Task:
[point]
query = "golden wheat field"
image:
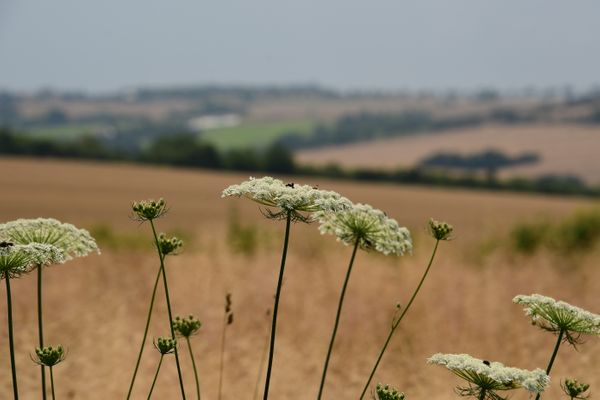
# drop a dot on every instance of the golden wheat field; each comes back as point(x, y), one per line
point(563, 149)
point(96, 306)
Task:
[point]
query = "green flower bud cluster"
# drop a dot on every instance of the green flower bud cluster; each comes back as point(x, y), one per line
point(147, 210)
point(49, 356)
point(440, 230)
point(388, 393)
point(169, 245)
point(186, 327)
point(574, 389)
point(165, 345)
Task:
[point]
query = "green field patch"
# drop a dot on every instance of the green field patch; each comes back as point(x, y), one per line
point(254, 135)
point(65, 132)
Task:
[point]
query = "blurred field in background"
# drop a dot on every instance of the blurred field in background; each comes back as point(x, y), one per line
point(562, 149)
point(96, 306)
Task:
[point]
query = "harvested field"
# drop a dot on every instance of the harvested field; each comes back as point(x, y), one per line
point(564, 149)
point(96, 306)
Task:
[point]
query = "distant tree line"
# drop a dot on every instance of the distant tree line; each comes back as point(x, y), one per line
point(185, 150)
point(486, 160)
point(368, 126)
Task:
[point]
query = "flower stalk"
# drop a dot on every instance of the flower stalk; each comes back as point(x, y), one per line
point(186, 327)
point(276, 305)
point(337, 319)
point(168, 300)
point(164, 346)
point(11, 340)
point(41, 326)
point(148, 318)
point(396, 322)
point(49, 357)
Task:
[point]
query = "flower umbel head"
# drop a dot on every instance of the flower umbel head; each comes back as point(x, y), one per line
point(556, 316)
point(165, 345)
point(440, 230)
point(574, 389)
point(290, 199)
point(490, 376)
point(169, 245)
point(49, 356)
point(186, 327)
point(17, 259)
point(147, 210)
point(385, 392)
point(369, 226)
point(73, 241)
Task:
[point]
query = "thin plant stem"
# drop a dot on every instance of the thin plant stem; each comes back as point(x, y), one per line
point(194, 366)
point(396, 323)
point(276, 306)
point(155, 376)
point(164, 275)
point(223, 337)
point(11, 340)
point(554, 353)
point(262, 365)
point(482, 394)
point(148, 317)
point(52, 383)
point(41, 326)
point(337, 319)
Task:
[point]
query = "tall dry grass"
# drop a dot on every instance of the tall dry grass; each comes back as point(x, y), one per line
point(96, 306)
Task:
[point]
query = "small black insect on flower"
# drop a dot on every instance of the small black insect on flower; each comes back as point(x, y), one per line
point(291, 185)
point(4, 244)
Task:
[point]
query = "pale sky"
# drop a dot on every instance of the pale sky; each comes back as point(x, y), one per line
point(347, 44)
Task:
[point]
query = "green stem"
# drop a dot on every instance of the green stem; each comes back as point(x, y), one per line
point(276, 306)
point(164, 275)
point(155, 376)
point(554, 353)
point(194, 366)
point(52, 383)
point(337, 319)
point(11, 341)
point(223, 337)
point(148, 317)
point(396, 323)
point(41, 326)
point(482, 394)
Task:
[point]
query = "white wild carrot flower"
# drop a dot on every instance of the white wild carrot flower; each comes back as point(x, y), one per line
point(290, 199)
point(490, 376)
point(556, 316)
point(371, 227)
point(74, 242)
point(17, 259)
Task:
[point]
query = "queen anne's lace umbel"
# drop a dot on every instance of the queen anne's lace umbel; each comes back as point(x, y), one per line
point(491, 375)
point(74, 242)
point(553, 315)
point(373, 229)
point(289, 198)
point(18, 259)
